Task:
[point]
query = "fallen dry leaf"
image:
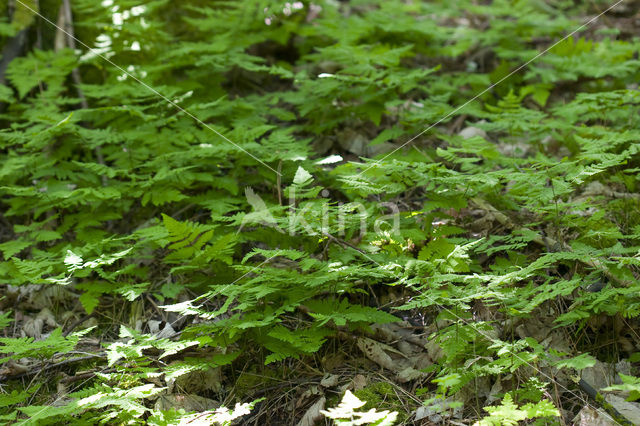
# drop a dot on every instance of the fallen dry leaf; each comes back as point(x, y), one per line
point(330, 380)
point(359, 382)
point(590, 417)
point(375, 351)
point(403, 366)
point(313, 414)
point(185, 402)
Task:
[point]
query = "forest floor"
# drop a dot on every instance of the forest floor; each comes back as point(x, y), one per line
point(418, 213)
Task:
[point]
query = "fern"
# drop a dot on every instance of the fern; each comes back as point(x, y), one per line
point(345, 413)
point(521, 201)
point(341, 312)
point(55, 343)
point(509, 413)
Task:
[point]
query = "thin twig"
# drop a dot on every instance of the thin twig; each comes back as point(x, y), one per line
point(82, 376)
point(343, 243)
point(50, 366)
point(279, 182)
point(77, 323)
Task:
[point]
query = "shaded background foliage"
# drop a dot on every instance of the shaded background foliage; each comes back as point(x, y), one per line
point(113, 197)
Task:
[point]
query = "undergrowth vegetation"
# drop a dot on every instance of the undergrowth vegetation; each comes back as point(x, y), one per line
point(263, 205)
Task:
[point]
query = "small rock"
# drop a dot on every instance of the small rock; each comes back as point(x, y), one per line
point(469, 132)
point(629, 410)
